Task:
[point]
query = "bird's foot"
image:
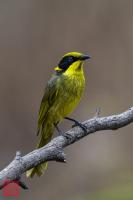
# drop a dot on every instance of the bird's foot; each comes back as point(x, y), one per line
point(84, 128)
point(76, 123)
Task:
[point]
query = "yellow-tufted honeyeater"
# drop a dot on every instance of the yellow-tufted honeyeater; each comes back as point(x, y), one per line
point(62, 94)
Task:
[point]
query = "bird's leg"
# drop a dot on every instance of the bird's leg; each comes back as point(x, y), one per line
point(76, 123)
point(58, 129)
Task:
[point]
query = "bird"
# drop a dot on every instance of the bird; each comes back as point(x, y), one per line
point(61, 96)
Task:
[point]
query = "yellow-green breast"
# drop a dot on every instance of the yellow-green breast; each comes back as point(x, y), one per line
point(70, 89)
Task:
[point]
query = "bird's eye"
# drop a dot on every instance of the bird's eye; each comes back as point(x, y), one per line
point(66, 62)
point(70, 59)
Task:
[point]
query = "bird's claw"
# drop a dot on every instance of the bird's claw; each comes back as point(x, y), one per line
point(84, 128)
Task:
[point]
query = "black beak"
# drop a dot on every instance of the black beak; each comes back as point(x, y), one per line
point(85, 57)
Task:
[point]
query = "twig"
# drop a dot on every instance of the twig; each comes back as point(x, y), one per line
point(54, 149)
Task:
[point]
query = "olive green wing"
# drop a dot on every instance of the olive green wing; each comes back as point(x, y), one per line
point(50, 96)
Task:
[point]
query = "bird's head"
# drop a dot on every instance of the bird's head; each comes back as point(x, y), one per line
point(71, 62)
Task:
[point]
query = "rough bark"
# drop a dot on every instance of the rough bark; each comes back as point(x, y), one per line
point(53, 151)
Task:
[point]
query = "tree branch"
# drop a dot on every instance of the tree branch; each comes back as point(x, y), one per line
point(54, 149)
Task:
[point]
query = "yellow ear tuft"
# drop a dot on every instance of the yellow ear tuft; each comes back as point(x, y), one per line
point(57, 69)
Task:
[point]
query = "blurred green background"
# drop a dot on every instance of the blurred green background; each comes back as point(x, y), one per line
point(33, 37)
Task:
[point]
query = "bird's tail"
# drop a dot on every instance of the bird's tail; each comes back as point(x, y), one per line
point(46, 135)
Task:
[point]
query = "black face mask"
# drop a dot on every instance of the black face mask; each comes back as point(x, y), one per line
point(66, 62)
